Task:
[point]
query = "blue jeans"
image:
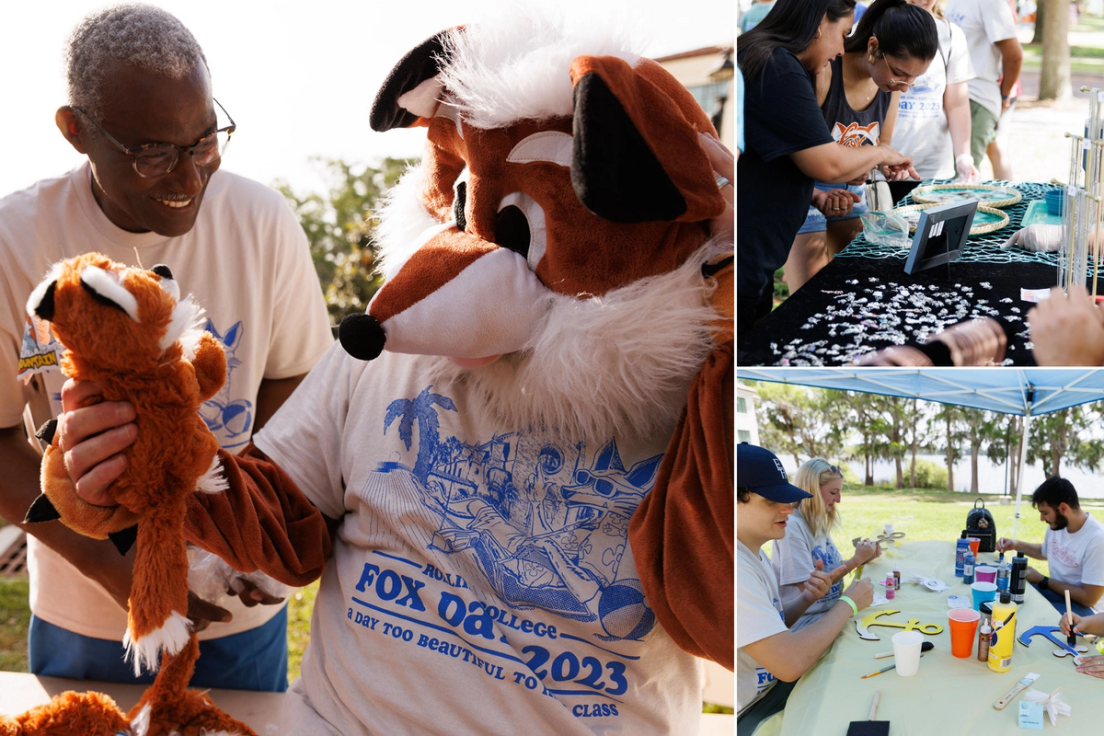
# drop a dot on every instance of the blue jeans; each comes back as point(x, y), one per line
point(1059, 602)
point(252, 660)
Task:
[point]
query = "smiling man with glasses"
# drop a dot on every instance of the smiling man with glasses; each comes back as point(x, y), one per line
point(141, 109)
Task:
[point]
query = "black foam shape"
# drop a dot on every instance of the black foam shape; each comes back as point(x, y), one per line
point(124, 540)
point(41, 510)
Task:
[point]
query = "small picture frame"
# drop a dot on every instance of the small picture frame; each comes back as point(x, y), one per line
point(940, 235)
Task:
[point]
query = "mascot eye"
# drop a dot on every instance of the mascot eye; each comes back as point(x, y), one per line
point(520, 227)
point(162, 270)
point(512, 230)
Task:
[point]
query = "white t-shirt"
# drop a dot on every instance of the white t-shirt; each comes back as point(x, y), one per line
point(922, 130)
point(985, 22)
point(1077, 559)
point(481, 580)
point(794, 559)
point(759, 615)
point(246, 261)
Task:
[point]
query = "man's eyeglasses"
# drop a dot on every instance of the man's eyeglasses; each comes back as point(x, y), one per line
point(158, 159)
point(895, 82)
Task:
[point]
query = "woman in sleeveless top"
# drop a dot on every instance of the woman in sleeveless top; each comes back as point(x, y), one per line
point(859, 94)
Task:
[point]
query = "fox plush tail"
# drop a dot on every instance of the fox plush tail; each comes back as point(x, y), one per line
point(159, 596)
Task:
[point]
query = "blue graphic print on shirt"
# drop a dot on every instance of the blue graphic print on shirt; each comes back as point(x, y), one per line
point(830, 556)
point(230, 419)
point(543, 533)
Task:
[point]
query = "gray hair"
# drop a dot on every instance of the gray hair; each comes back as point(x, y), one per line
point(139, 35)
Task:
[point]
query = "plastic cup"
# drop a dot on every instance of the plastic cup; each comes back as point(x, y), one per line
point(983, 592)
point(985, 574)
point(964, 623)
point(906, 652)
point(975, 543)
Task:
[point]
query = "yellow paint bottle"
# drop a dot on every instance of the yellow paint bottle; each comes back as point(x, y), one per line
point(1004, 634)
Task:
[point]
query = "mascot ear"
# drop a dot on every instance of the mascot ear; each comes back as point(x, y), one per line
point(410, 90)
point(636, 155)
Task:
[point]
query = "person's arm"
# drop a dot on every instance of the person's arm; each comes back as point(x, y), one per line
point(1086, 595)
point(1011, 63)
point(864, 553)
point(890, 122)
point(789, 654)
point(1031, 550)
point(812, 590)
point(834, 164)
point(271, 395)
point(956, 106)
point(19, 487)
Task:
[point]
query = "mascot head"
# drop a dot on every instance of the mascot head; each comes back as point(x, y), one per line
point(558, 219)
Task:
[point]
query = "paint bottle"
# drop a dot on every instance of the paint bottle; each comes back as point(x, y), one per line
point(1004, 634)
point(890, 595)
point(986, 611)
point(984, 634)
point(896, 577)
point(962, 546)
point(887, 530)
point(1018, 579)
point(968, 568)
point(1004, 572)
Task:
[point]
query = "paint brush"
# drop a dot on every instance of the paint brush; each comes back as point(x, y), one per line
point(884, 669)
point(1072, 638)
point(870, 727)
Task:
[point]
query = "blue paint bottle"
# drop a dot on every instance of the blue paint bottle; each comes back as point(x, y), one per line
point(961, 548)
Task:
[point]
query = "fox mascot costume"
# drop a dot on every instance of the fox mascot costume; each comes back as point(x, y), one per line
point(514, 473)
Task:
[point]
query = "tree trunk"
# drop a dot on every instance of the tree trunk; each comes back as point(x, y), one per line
point(950, 455)
point(869, 470)
point(1054, 78)
point(1055, 461)
point(1040, 22)
point(912, 462)
point(974, 468)
point(1014, 456)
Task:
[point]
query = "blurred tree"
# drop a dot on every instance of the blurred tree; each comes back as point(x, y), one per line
point(801, 421)
point(340, 226)
point(950, 417)
point(1066, 436)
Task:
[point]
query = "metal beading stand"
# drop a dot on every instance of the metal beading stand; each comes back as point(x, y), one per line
point(1083, 212)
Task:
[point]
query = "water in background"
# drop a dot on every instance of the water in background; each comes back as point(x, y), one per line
point(991, 476)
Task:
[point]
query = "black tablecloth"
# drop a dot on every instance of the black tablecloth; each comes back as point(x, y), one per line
point(788, 337)
point(864, 301)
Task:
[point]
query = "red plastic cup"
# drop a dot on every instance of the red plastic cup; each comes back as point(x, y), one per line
point(974, 544)
point(963, 623)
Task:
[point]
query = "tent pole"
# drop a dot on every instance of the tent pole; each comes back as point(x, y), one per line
point(1020, 475)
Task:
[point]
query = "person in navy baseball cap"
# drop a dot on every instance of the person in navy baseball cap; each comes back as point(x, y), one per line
point(759, 470)
point(769, 657)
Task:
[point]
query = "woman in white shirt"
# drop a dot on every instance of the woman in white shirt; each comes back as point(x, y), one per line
point(808, 540)
point(933, 119)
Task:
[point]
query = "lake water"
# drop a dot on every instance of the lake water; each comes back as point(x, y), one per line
point(991, 476)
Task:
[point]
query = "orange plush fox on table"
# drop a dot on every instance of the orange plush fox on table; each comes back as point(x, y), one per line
point(129, 330)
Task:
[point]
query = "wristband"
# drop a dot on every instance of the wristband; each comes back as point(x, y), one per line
point(1045, 583)
point(848, 601)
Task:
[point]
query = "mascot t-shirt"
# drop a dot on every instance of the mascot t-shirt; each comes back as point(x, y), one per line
point(484, 568)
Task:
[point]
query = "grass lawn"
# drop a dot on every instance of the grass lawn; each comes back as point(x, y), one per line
point(934, 514)
point(1083, 59)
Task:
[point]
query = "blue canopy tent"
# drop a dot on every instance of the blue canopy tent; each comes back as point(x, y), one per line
point(1026, 392)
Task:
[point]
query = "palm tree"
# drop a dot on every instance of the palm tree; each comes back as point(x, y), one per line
point(421, 409)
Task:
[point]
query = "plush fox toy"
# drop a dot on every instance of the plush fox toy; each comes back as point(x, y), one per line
point(129, 330)
point(167, 707)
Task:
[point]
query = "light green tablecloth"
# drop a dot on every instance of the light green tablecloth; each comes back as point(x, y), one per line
point(948, 696)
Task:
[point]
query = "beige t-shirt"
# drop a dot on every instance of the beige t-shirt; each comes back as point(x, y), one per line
point(481, 580)
point(759, 615)
point(248, 265)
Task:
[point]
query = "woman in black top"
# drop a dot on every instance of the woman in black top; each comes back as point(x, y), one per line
point(787, 143)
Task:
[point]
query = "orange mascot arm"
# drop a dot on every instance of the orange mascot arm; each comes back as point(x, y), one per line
point(261, 522)
point(682, 534)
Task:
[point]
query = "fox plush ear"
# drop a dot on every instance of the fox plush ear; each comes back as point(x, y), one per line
point(410, 91)
point(636, 155)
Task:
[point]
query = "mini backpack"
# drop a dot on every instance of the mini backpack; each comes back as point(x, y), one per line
point(980, 524)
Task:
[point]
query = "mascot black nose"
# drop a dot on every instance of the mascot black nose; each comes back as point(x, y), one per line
point(362, 336)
